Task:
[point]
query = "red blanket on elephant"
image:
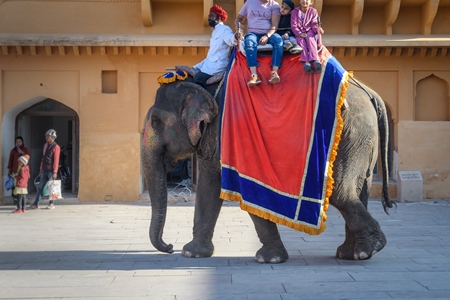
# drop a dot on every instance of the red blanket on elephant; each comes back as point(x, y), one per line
point(278, 142)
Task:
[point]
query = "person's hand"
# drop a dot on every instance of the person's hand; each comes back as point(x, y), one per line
point(19, 150)
point(264, 39)
point(189, 70)
point(321, 31)
point(238, 35)
point(181, 67)
point(54, 175)
point(286, 36)
point(303, 35)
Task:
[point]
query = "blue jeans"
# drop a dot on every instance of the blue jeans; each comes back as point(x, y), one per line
point(200, 78)
point(251, 41)
point(290, 39)
point(45, 177)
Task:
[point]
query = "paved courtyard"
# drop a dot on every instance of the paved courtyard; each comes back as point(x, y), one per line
point(102, 251)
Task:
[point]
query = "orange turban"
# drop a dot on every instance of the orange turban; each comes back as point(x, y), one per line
point(218, 10)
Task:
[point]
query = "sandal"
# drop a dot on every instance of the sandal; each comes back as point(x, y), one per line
point(254, 80)
point(275, 78)
point(34, 206)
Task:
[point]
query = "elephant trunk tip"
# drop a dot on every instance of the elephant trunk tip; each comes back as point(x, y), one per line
point(165, 248)
point(161, 246)
point(169, 249)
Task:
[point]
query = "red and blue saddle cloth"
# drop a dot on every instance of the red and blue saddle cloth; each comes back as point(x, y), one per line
point(278, 142)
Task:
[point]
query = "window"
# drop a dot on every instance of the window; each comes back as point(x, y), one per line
point(109, 82)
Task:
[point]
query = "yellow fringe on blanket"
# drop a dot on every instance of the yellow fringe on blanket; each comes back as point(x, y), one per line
point(330, 181)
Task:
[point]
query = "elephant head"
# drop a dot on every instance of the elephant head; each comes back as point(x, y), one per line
point(173, 130)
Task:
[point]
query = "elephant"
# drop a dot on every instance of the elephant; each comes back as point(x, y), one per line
point(185, 120)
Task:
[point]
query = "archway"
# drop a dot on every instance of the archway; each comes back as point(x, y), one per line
point(31, 122)
point(431, 102)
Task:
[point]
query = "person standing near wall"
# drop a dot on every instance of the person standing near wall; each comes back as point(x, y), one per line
point(49, 166)
point(21, 183)
point(18, 151)
point(13, 162)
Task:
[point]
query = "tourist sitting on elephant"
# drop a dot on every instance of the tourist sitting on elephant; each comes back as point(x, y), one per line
point(305, 25)
point(284, 28)
point(263, 17)
point(220, 44)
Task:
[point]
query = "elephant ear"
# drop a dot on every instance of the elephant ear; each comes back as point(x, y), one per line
point(198, 109)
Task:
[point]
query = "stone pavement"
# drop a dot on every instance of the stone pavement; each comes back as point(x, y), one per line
point(102, 251)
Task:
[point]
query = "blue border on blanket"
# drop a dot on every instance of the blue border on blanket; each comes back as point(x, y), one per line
point(324, 129)
point(223, 94)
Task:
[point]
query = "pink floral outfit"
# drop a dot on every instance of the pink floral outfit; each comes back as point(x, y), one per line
point(306, 23)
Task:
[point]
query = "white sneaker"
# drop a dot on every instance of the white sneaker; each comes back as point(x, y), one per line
point(296, 50)
point(288, 45)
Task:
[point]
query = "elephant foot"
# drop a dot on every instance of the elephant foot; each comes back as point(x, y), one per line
point(197, 250)
point(363, 248)
point(272, 255)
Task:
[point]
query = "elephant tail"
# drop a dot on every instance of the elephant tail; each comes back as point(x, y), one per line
point(383, 127)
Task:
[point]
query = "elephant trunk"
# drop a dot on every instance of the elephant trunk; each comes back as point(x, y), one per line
point(157, 186)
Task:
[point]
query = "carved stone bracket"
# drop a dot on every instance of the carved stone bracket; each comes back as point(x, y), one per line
point(318, 4)
point(357, 12)
point(390, 15)
point(206, 6)
point(146, 12)
point(429, 10)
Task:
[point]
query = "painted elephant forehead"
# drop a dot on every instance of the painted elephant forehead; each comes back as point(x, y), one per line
point(150, 138)
point(164, 121)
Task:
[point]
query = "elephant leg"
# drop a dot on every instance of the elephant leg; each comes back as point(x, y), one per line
point(347, 248)
point(207, 209)
point(363, 235)
point(273, 250)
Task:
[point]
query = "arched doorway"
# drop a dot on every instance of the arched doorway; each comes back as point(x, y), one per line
point(33, 122)
point(431, 102)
